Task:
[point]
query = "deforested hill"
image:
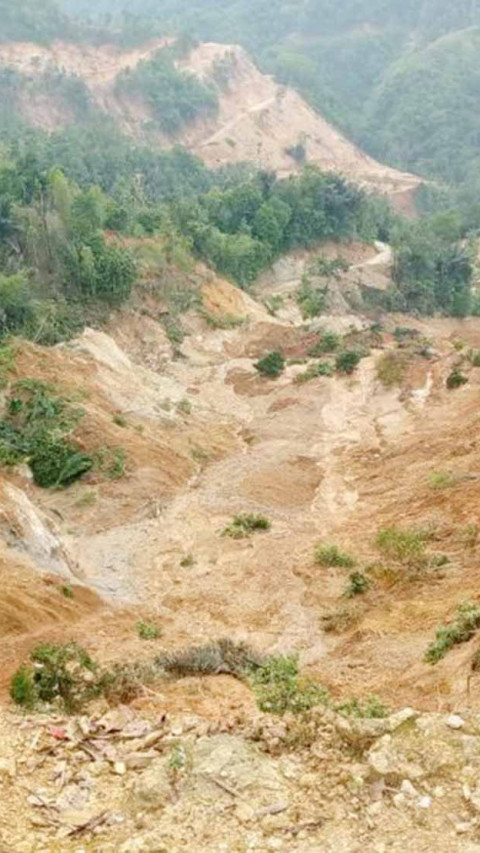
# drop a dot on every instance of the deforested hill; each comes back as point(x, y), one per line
point(400, 78)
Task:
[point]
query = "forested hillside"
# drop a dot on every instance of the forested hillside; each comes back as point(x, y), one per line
point(72, 200)
point(400, 77)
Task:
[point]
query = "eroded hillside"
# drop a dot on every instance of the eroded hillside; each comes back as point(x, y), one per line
point(257, 120)
point(347, 461)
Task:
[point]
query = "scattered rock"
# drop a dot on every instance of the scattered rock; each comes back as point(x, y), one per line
point(152, 790)
point(401, 717)
point(385, 760)
point(454, 722)
point(408, 789)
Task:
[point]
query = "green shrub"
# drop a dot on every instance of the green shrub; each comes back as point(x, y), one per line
point(461, 630)
point(328, 342)
point(311, 298)
point(120, 420)
point(58, 674)
point(245, 524)
point(147, 631)
point(359, 584)
point(22, 688)
point(279, 688)
point(57, 463)
point(67, 590)
point(456, 379)
point(272, 365)
point(347, 360)
point(322, 368)
point(331, 556)
point(34, 429)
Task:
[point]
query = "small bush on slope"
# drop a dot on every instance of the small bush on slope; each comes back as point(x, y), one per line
point(245, 524)
point(461, 630)
point(331, 556)
point(347, 360)
point(61, 675)
point(271, 365)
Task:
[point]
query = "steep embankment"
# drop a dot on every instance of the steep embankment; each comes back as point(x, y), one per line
point(258, 120)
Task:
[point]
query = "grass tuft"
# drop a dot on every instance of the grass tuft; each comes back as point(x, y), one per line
point(245, 524)
point(331, 556)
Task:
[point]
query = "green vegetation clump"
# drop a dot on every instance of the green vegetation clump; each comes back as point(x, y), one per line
point(311, 298)
point(456, 379)
point(279, 688)
point(327, 342)
point(272, 365)
point(66, 678)
point(322, 368)
point(60, 675)
point(331, 556)
point(371, 707)
point(245, 524)
point(120, 420)
point(359, 584)
point(347, 360)
point(35, 428)
point(175, 97)
point(147, 631)
point(461, 630)
point(57, 462)
point(442, 479)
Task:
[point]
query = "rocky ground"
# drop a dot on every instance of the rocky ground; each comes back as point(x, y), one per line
point(133, 780)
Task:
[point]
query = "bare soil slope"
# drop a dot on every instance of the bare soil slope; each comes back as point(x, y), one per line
point(192, 765)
